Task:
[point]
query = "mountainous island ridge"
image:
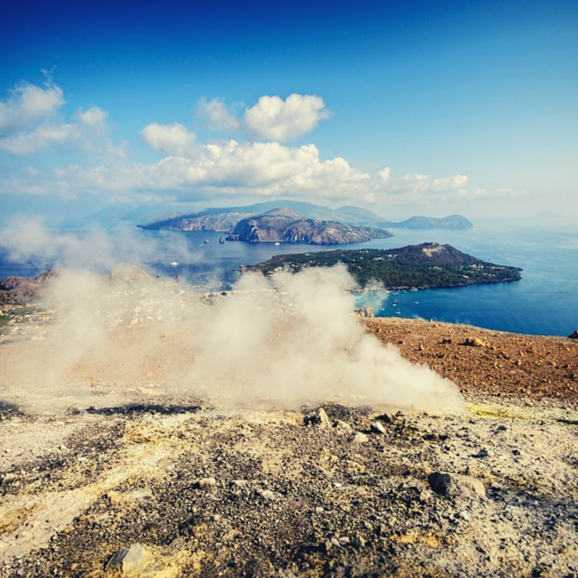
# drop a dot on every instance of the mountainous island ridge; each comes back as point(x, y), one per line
point(225, 219)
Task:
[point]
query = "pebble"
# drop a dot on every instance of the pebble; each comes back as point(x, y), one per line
point(359, 438)
point(128, 559)
point(377, 427)
point(318, 418)
point(208, 484)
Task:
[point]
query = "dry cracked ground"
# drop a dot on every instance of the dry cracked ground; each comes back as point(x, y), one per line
point(177, 487)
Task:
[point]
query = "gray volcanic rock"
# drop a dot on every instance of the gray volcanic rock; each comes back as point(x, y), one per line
point(128, 559)
point(286, 226)
point(447, 484)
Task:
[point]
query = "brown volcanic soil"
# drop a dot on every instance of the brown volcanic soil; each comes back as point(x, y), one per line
point(500, 364)
point(212, 492)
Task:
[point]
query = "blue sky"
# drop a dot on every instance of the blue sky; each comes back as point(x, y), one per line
point(413, 107)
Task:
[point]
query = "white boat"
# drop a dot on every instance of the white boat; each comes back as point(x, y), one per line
point(277, 243)
point(174, 264)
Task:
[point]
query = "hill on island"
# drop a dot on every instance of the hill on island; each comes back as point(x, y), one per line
point(425, 266)
point(225, 219)
point(286, 226)
point(451, 222)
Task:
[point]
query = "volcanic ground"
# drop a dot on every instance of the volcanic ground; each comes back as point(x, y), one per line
point(162, 486)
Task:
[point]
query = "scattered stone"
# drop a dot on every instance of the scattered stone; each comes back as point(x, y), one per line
point(208, 484)
point(343, 426)
point(317, 418)
point(447, 484)
point(377, 427)
point(267, 495)
point(484, 453)
point(475, 342)
point(359, 438)
point(358, 542)
point(128, 559)
point(7, 478)
point(385, 418)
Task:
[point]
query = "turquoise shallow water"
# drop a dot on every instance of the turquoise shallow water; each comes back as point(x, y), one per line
point(544, 302)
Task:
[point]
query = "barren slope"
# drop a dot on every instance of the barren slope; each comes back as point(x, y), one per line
point(212, 492)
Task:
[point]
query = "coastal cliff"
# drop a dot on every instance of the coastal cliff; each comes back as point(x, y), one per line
point(287, 226)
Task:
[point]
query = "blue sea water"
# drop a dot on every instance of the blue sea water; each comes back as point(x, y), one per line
point(544, 302)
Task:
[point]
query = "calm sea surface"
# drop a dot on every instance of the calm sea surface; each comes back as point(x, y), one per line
point(544, 302)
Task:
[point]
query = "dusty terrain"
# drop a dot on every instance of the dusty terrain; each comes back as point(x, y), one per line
point(161, 485)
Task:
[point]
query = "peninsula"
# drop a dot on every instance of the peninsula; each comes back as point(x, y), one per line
point(425, 266)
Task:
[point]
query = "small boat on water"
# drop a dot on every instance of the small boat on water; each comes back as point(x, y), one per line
point(174, 264)
point(277, 243)
point(207, 241)
point(221, 240)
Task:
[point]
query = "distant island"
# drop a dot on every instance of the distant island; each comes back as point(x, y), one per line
point(225, 219)
point(287, 226)
point(425, 266)
point(451, 222)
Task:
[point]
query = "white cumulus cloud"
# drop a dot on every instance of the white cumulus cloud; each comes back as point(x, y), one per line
point(94, 116)
point(29, 121)
point(277, 119)
point(41, 137)
point(173, 139)
point(27, 104)
point(218, 114)
point(229, 168)
point(271, 118)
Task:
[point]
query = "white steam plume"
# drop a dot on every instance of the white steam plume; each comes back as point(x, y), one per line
point(30, 240)
point(291, 339)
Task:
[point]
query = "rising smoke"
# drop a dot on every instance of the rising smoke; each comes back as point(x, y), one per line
point(290, 339)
